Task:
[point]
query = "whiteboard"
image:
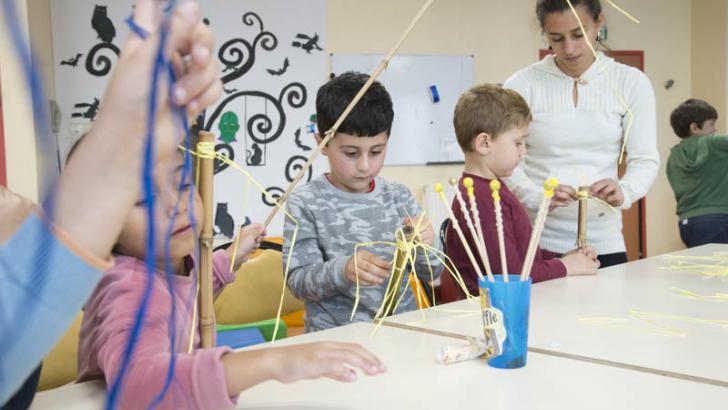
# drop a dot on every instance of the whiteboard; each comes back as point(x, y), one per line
point(422, 131)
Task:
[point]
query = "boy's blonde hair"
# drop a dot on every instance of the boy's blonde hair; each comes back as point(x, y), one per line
point(490, 109)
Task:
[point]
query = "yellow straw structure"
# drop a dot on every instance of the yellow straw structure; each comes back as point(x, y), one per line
point(477, 237)
point(629, 16)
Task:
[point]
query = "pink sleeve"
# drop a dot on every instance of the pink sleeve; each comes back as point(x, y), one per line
point(199, 377)
point(221, 275)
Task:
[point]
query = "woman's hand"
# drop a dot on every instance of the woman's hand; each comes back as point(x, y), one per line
point(563, 196)
point(608, 190)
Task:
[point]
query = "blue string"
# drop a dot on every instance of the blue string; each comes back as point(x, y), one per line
point(148, 190)
point(181, 114)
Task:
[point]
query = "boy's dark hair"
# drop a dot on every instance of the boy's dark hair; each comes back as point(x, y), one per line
point(371, 116)
point(490, 109)
point(544, 7)
point(691, 111)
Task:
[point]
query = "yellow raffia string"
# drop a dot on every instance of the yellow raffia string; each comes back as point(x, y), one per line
point(260, 187)
point(684, 292)
point(649, 319)
point(413, 248)
point(629, 16)
point(697, 264)
point(615, 90)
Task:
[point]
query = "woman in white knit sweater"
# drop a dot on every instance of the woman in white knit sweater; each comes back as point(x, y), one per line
point(579, 123)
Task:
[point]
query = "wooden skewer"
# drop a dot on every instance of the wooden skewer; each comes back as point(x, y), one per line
point(330, 133)
point(495, 187)
point(206, 150)
point(583, 198)
point(456, 226)
point(468, 184)
point(479, 244)
point(549, 185)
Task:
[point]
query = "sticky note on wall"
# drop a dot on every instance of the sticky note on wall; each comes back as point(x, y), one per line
point(434, 95)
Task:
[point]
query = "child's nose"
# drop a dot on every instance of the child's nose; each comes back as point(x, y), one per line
point(363, 164)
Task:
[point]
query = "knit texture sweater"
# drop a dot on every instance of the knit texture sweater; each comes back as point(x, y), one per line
point(580, 144)
point(331, 223)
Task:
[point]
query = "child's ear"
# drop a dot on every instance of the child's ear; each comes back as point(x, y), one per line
point(695, 128)
point(318, 142)
point(482, 143)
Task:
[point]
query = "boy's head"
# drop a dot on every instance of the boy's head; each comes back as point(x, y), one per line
point(491, 125)
point(693, 118)
point(356, 153)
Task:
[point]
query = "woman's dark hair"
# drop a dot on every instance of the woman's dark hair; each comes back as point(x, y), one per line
point(544, 7)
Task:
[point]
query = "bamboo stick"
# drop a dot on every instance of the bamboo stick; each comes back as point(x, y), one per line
point(495, 187)
point(206, 150)
point(330, 133)
point(583, 198)
point(548, 192)
point(456, 226)
point(477, 233)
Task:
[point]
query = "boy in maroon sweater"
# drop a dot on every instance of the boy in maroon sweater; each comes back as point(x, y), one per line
point(491, 125)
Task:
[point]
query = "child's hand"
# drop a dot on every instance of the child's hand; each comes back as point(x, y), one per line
point(608, 190)
point(373, 270)
point(426, 233)
point(324, 359)
point(250, 237)
point(338, 361)
point(578, 263)
point(563, 196)
point(587, 250)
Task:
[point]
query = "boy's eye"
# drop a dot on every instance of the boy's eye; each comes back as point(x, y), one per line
point(185, 186)
point(377, 152)
point(350, 153)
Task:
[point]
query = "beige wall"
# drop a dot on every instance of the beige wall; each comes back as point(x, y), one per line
point(20, 153)
point(503, 36)
point(708, 22)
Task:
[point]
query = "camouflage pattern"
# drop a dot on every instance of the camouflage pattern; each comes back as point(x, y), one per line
point(331, 222)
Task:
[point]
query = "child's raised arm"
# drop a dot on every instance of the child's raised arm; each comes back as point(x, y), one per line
point(100, 183)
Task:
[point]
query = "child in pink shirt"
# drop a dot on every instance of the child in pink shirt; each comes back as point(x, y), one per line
point(203, 378)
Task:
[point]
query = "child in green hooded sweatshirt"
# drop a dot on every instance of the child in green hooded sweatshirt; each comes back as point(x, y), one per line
point(697, 169)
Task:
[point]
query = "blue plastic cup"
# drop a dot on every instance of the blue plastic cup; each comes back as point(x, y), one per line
point(513, 299)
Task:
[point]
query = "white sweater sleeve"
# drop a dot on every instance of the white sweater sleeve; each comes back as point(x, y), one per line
point(527, 191)
point(643, 159)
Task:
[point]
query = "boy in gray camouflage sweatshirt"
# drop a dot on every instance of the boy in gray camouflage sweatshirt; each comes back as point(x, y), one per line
point(349, 205)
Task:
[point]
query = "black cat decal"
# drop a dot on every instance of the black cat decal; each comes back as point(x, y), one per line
point(224, 221)
point(102, 24)
point(255, 155)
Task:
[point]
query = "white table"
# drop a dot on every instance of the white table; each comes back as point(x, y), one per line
point(415, 380)
point(557, 307)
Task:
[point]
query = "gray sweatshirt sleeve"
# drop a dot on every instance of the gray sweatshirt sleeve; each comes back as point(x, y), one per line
point(310, 277)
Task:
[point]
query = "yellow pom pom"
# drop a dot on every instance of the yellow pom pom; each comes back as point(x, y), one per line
point(468, 182)
point(550, 184)
point(453, 181)
point(438, 187)
point(495, 185)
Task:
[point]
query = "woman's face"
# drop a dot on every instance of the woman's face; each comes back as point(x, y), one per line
point(573, 55)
